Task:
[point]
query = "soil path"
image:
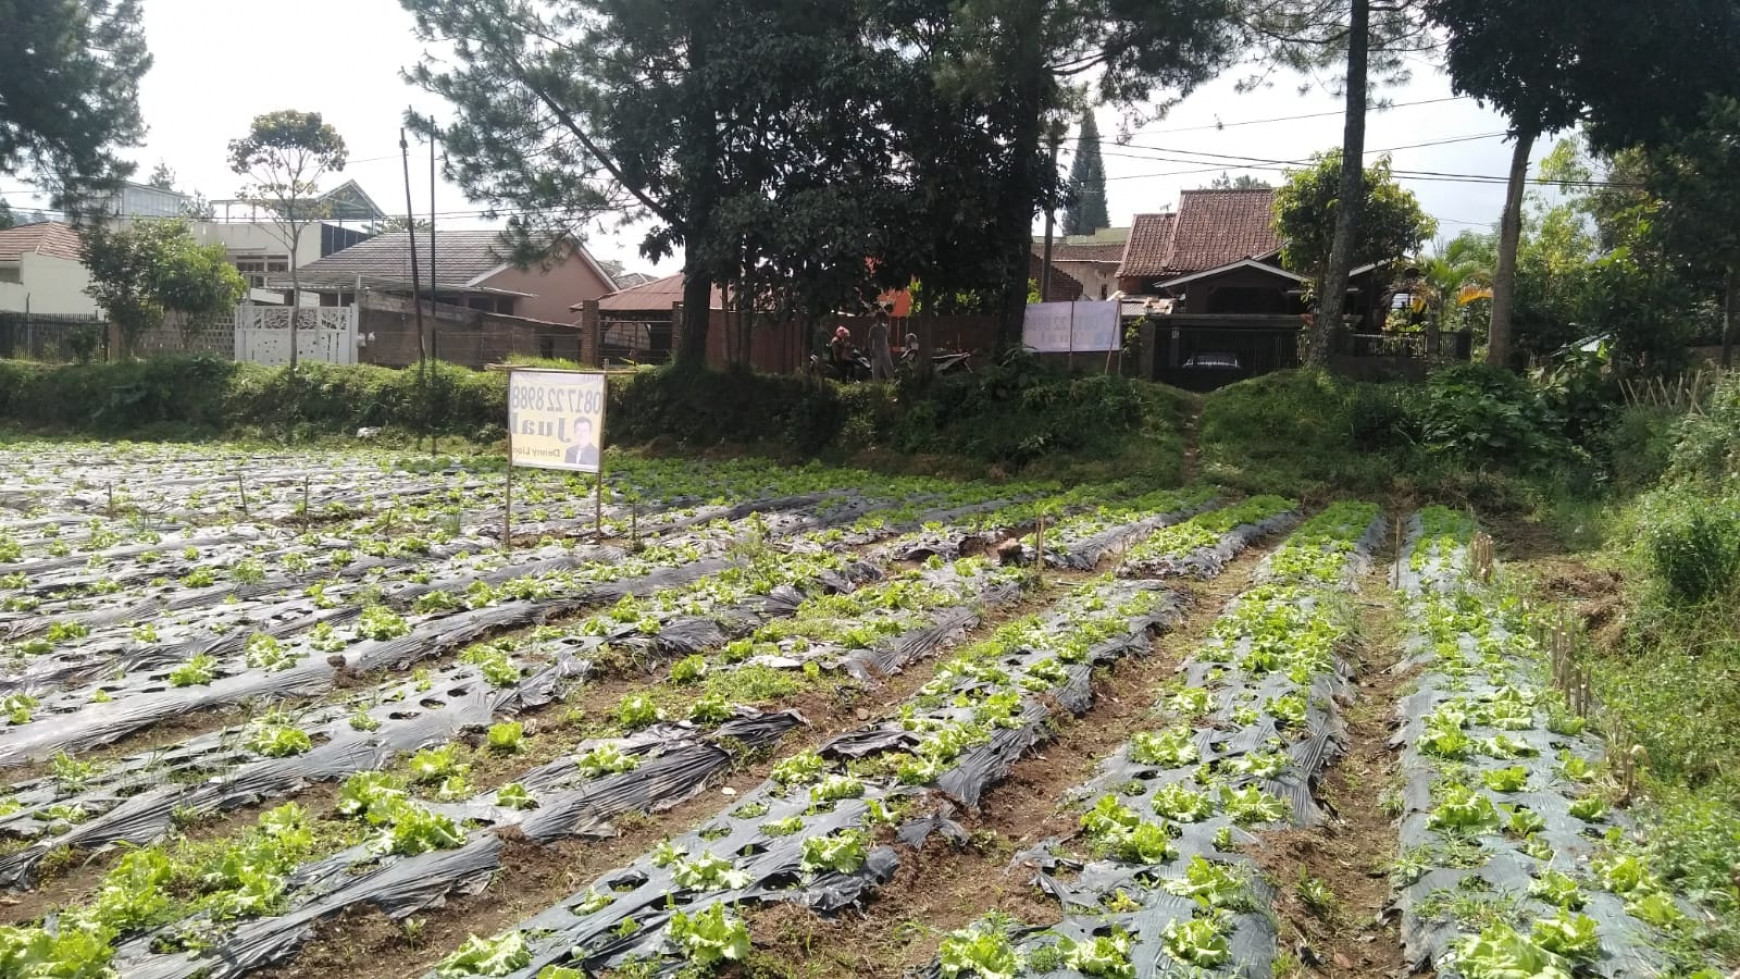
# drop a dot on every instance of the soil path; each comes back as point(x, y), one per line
point(1191, 429)
point(1333, 879)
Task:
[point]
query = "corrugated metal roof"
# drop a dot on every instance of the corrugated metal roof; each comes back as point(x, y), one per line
point(654, 296)
point(53, 238)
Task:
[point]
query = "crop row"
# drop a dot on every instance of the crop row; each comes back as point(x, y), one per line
point(677, 761)
point(1514, 859)
point(809, 835)
point(1155, 882)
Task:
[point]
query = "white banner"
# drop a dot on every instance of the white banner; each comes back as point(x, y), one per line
point(556, 419)
point(1055, 328)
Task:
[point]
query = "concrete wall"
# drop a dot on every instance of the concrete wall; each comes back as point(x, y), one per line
point(1098, 279)
point(51, 285)
point(554, 290)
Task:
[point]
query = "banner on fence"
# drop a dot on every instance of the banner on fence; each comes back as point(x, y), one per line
point(1056, 328)
point(556, 419)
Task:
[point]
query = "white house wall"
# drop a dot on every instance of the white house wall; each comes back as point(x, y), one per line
point(49, 285)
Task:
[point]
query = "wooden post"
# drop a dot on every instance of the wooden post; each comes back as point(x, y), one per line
point(507, 499)
point(1039, 546)
point(598, 503)
point(307, 515)
point(242, 491)
point(111, 499)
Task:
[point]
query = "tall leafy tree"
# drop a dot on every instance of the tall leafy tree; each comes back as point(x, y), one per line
point(69, 92)
point(284, 155)
point(1086, 212)
point(1695, 174)
point(141, 273)
point(1021, 61)
point(162, 176)
point(749, 134)
point(1307, 212)
point(1617, 66)
point(1243, 181)
point(1360, 42)
point(7, 218)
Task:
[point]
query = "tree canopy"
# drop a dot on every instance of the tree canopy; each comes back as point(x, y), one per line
point(69, 92)
point(1392, 228)
point(1086, 212)
point(284, 155)
point(152, 268)
point(1614, 65)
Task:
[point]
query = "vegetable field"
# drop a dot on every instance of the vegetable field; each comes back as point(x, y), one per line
point(312, 715)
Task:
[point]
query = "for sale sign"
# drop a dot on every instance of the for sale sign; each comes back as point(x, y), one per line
point(556, 419)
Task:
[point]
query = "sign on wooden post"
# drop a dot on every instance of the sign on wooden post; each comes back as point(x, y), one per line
point(555, 421)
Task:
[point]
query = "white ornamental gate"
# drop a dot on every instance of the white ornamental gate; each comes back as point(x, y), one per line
point(323, 333)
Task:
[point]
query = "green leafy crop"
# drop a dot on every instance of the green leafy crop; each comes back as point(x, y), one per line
point(843, 852)
point(496, 956)
point(981, 951)
point(710, 936)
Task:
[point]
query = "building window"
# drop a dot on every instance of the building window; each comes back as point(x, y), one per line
point(12, 273)
point(257, 268)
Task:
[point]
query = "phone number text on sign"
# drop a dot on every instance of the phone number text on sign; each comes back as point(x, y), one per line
point(557, 419)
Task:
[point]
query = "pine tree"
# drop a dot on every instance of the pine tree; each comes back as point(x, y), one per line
point(1086, 212)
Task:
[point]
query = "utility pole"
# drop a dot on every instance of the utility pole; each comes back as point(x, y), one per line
point(1056, 137)
point(416, 283)
point(434, 284)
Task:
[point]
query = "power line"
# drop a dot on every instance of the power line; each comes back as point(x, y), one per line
point(1293, 118)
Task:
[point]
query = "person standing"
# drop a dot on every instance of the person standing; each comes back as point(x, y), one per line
point(840, 353)
point(881, 358)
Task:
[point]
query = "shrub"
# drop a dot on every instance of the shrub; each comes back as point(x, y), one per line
point(1693, 544)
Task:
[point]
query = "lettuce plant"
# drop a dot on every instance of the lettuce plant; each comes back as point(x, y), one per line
point(843, 852)
point(978, 952)
point(1106, 956)
point(498, 956)
point(1500, 952)
point(709, 937)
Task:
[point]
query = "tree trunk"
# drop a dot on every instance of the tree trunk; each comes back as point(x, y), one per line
point(1332, 297)
point(1021, 190)
point(701, 166)
point(1730, 314)
point(697, 315)
point(1509, 240)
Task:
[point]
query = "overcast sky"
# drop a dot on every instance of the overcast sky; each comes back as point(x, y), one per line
point(215, 71)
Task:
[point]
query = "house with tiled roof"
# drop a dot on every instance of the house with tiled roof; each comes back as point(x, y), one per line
point(41, 271)
point(1220, 255)
point(1212, 229)
point(470, 269)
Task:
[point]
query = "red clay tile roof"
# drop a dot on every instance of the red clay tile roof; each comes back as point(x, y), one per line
point(53, 238)
point(1213, 228)
point(1217, 227)
point(1063, 285)
point(1150, 240)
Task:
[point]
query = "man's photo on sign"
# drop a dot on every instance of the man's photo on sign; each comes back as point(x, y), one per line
point(583, 447)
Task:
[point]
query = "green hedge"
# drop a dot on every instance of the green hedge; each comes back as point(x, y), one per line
point(1011, 414)
point(206, 395)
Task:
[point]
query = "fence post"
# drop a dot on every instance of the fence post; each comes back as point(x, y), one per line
point(676, 328)
point(589, 333)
